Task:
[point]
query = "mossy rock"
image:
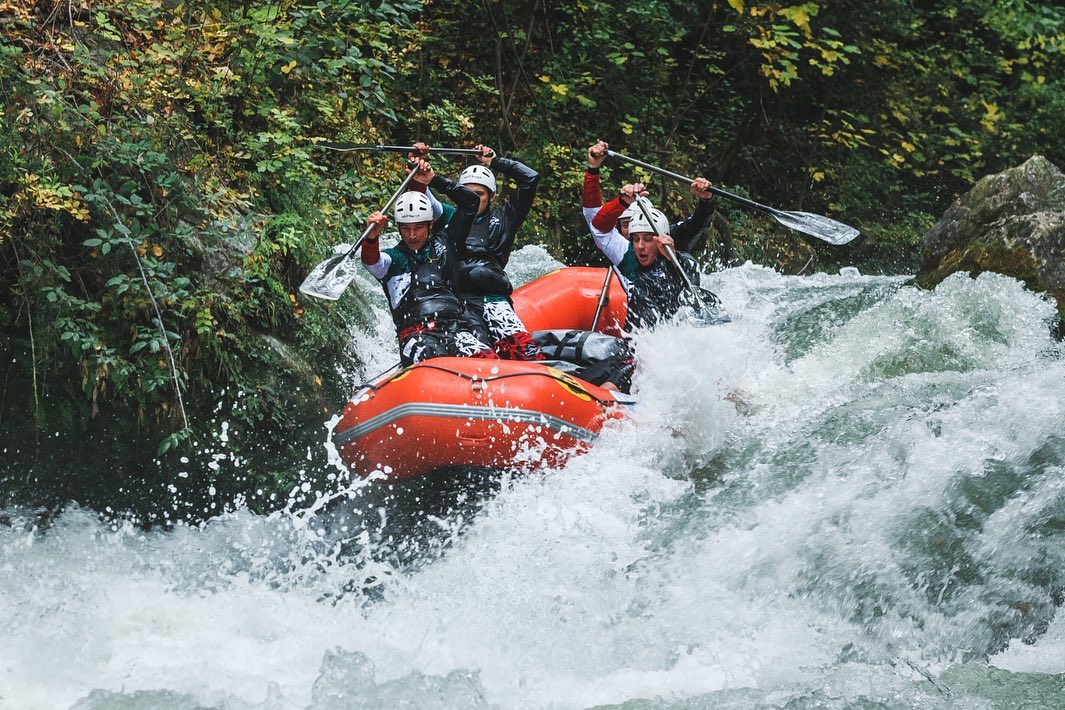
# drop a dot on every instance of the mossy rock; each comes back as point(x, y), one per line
point(1012, 223)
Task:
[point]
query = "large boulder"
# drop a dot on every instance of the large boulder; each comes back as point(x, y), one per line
point(1012, 223)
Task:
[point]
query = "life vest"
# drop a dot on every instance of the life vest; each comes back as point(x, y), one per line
point(427, 292)
point(480, 273)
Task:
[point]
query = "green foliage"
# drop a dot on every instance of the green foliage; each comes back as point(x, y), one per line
point(161, 193)
point(800, 103)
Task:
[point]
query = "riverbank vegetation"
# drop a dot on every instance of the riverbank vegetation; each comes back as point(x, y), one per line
point(163, 188)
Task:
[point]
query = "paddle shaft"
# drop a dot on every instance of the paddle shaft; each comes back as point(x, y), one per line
point(348, 147)
point(814, 225)
point(388, 205)
point(330, 278)
point(672, 256)
point(602, 297)
point(677, 176)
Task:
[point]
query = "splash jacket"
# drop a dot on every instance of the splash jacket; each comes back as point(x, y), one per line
point(491, 237)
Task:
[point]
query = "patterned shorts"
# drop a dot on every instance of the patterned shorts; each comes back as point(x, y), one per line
point(440, 339)
point(497, 323)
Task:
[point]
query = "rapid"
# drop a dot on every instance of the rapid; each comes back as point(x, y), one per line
point(851, 496)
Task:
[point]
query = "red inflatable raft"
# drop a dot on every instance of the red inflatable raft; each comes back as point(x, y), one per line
point(567, 299)
point(449, 412)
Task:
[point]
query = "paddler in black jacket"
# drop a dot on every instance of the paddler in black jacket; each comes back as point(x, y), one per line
point(483, 283)
point(420, 274)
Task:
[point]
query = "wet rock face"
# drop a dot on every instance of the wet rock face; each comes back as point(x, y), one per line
point(1012, 223)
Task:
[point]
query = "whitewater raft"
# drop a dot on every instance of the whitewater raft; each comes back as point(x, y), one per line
point(449, 412)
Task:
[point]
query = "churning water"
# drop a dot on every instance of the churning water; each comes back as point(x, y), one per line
point(852, 496)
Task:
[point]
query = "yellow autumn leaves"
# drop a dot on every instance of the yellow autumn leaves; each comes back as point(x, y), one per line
point(41, 192)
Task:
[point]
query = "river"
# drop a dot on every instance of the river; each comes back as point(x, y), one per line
point(851, 496)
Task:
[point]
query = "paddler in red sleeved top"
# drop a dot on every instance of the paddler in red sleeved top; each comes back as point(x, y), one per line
point(634, 245)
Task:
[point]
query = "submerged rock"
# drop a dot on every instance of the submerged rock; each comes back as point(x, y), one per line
point(1012, 223)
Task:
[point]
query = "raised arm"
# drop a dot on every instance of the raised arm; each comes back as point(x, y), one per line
point(611, 243)
point(687, 233)
point(466, 204)
point(592, 196)
point(421, 152)
point(610, 213)
point(514, 212)
point(522, 198)
point(373, 259)
point(441, 212)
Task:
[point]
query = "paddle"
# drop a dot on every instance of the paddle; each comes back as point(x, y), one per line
point(351, 147)
point(602, 297)
point(705, 315)
point(329, 279)
point(815, 225)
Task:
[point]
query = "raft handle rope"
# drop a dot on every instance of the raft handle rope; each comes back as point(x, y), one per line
point(477, 379)
point(378, 376)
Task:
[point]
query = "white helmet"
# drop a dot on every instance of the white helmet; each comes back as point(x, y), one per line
point(478, 175)
point(658, 224)
point(413, 207)
point(630, 211)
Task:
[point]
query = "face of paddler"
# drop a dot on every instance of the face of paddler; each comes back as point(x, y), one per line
point(415, 234)
point(645, 244)
point(484, 193)
point(623, 227)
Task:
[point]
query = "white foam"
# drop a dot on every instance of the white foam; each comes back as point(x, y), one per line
point(850, 473)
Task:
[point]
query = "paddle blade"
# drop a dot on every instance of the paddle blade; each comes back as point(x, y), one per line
point(709, 316)
point(710, 310)
point(816, 225)
point(329, 279)
point(705, 310)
